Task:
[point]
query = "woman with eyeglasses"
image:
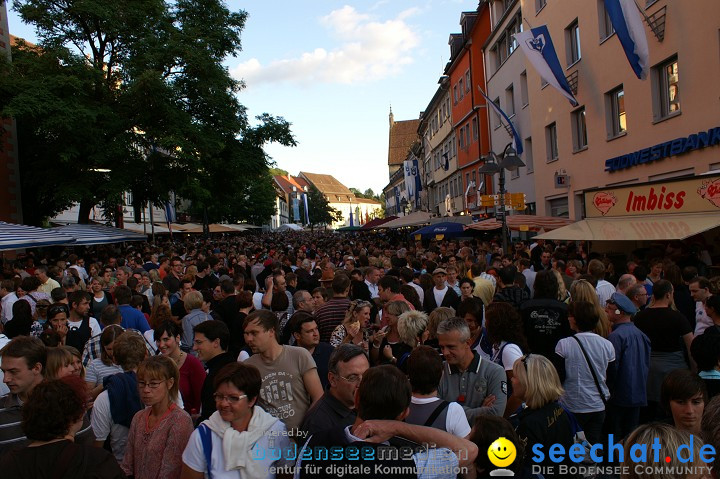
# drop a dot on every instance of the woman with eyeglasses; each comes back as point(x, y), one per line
point(159, 432)
point(542, 420)
point(235, 434)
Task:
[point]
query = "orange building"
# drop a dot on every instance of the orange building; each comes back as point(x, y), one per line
point(466, 71)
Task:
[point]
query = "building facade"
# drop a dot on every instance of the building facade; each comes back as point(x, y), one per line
point(507, 86)
point(625, 130)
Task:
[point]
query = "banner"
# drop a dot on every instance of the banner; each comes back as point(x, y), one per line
point(413, 186)
point(628, 25)
point(496, 107)
point(540, 52)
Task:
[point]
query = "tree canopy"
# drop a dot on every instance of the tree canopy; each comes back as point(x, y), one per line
point(133, 96)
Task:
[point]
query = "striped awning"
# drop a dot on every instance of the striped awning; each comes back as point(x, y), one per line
point(522, 223)
point(14, 236)
point(87, 234)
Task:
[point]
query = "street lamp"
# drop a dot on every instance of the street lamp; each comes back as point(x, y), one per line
point(405, 206)
point(508, 160)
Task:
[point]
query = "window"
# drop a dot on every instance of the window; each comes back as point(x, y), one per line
point(572, 43)
point(502, 48)
point(579, 129)
point(455, 94)
point(510, 101)
point(615, 108)
point(461, 91)
point(605, 25)
point(559, 208)
point(467, 134)
point(515, 26)
point(467, 81)
point(666, 83)
point(496, 115)
point(475, 129)
point(551, 141)
point(474, 178)
point(539, 4)
point(524, 89)
point(467, 181)
point(528, 152)
point(461, 141)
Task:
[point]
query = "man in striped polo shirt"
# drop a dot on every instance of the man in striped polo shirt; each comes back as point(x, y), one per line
point(332, 313)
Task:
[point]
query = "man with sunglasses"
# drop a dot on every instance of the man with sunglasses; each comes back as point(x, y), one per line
point(346, 367)
point(630, 368)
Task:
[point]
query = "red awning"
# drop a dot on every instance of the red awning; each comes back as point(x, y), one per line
point(377, 222)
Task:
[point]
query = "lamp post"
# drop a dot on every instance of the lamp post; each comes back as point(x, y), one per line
point(508, 160)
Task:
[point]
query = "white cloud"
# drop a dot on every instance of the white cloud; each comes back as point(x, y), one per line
point(369, 50)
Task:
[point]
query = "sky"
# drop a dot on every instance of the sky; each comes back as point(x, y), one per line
point(333, 70)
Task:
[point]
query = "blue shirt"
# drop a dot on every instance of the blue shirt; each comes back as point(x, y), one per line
point(627, 375)
point(133, 318)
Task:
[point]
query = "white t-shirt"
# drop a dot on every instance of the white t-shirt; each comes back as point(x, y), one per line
point(581, 394)
point(439, 295)
point(604, 291)
point(95, 328)
point(150, 338)
point(194, 456)
point(510, 353)
point(456, 422)
point(103, 426)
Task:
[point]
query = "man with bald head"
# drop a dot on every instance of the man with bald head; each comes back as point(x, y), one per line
point(625, 282)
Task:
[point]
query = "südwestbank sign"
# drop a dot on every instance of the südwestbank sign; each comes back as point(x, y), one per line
point(676, 147)
point(699, 194)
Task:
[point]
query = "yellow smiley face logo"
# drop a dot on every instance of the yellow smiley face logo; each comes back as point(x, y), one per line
point(502, 452)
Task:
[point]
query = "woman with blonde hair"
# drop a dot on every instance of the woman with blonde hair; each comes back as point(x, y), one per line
point(78, 368)
point(542, 420)
point(563, 294)
point(158, 434)
point(353, 328)
point(437, 316)
point(582, 290)
point(389, 335)
point(670, 441)
point(411, 329)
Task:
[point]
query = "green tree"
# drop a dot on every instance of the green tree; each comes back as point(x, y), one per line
point(133, 96)
point(319, 210)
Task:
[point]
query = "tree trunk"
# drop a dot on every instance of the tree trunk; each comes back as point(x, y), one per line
point(84, 213)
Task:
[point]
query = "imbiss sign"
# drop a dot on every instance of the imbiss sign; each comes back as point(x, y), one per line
point(695, 195)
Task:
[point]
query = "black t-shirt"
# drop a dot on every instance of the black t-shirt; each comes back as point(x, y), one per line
point(665, 327)
point(546, 323)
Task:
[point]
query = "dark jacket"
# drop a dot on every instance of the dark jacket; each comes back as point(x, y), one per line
point(513, 295)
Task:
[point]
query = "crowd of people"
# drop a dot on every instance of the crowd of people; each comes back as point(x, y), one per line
point(319, 354)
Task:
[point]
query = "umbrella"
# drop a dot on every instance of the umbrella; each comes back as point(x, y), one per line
point(14, 236)
point(440, 230)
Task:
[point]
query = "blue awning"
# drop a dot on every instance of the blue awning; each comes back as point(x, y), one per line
point(97, 234)
point(14, 236)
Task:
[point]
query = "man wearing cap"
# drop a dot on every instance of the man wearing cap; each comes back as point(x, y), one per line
point(440, 295)
point(630, 368)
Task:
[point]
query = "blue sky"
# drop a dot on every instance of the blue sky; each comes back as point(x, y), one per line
point(333, 69)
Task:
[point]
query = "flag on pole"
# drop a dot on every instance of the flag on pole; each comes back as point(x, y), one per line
point(628, 25)
point(540, 52)
point(496, 107)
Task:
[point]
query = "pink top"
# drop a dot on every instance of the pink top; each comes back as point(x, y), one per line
point(157, 453)
point(192, 377)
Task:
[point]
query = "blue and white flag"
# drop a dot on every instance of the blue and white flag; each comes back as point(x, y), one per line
point(412, 181)
point(496, 107)
point(540, 52)
point(628, 25)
